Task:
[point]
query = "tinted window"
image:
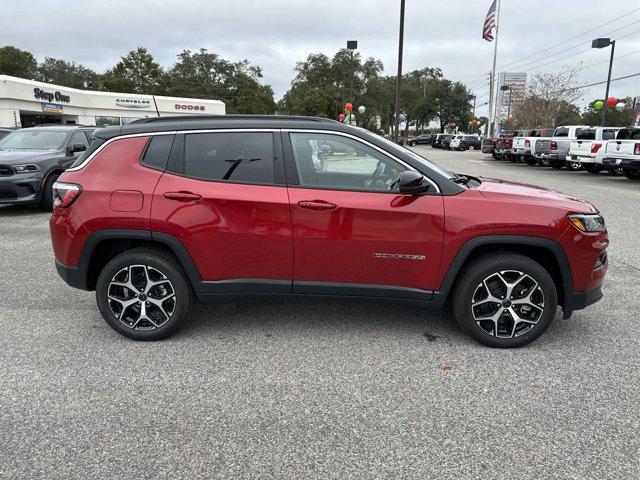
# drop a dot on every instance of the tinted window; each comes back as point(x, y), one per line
point(609, 134)
point(561, 132)
point(245, 157)
point(586, 134)
point(79, 138)
point(334, 161)
point(157, 153)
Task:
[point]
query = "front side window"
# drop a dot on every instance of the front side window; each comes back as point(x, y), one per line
point(334, 161)
point(79, 138)
point(107, 121)
point(244, 157)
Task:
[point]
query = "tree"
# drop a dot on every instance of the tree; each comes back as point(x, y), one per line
point(18, 63)
point(550, 99)
point(65, 73)
point(615, 117)
point(451, 103)
point(137, 72)
point(205, 74)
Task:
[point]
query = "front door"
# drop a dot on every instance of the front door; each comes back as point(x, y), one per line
point(353, 232)
point(223, 197)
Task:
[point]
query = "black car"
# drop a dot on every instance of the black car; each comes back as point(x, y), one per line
point(470, 142)
point(31, 159)
point(420, 140)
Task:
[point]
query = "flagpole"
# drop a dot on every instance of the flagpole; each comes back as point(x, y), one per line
point(493, 74)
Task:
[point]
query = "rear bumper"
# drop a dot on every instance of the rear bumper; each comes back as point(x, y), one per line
point(75, 277)
point(521, 151)
point(582, 159)
point(622, 162)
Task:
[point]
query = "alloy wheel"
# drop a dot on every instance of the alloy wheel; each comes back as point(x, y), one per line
point(141, 297)
point(508, 304)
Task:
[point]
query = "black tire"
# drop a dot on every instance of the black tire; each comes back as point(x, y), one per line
point(470, 283)
point(615, 171)
point(46, 196)
point(495, 156)
point(543, 162)
point(530, 160)
point(160, 262)
point(593, 168)
point(556, 164)
point(412, 144)
point(574, 166)
point(632, 174)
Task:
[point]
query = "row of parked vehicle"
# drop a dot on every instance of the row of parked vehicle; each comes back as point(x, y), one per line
point(574, 147)
point(459, 142)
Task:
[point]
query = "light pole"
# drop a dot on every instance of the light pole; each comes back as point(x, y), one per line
point(604, 43)
point(473, 97)
point(399, 77)
point(351, 46)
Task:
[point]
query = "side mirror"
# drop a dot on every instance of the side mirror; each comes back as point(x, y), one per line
point(412, 183)
point(77, 147)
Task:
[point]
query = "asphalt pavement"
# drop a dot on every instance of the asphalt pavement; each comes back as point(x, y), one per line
point(320, 389)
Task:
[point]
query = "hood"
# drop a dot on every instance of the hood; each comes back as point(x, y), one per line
point(15, 157)
point(492, 188)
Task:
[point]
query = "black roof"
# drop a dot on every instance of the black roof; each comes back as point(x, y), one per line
point(206, 122)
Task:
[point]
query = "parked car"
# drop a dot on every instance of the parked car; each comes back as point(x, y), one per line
point(437, 141)
point(472, 142)
point(502, 150)
point(524, 145)
point(624, 153)
point(589, 147)
point(31, 159)
point(555, 150)
point(445, 141)
point(454, 144)
point(167, 210)
point(420, 140)
point(5, 131)
point(488, 145)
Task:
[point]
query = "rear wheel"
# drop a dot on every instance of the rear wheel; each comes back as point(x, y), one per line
point(593, 168)
point(412, 144)
point(616, 171)
point(495, 156)
point(46, 200)
point(530, 160)
point(632, 174)
point(556, 164)
point(505, 300)
point(574, 166)
point(144, 294)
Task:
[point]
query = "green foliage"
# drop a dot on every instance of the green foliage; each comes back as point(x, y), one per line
point(613, 117)
point(137, 72)
point(69, 74)
point(18, 63)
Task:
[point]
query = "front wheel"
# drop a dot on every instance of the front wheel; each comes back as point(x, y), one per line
point(144, 294)
point(505, 300)
point(46, 197)
point(412, 144)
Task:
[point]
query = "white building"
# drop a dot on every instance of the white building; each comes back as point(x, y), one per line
point(24, 103)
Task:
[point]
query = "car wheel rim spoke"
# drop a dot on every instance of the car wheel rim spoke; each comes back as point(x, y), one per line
point(141, 297)
point(507, 304)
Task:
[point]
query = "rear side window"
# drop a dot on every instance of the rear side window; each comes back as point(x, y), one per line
point(157, 152)
point(561, 132)
point(243, 157)
point(609, 134)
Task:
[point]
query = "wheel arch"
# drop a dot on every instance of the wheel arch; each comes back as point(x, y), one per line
point(103, 245)
point(546, 252)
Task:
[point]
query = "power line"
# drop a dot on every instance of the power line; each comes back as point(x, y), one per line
point(607, 61)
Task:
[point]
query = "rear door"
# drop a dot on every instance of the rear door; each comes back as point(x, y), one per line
point(224, 198)
point(353, 233)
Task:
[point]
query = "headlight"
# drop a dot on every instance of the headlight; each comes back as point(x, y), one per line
point(25, 168)
point(587, 223)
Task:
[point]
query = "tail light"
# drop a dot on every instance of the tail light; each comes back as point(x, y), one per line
point(595, 147)
point(636, 150)
point(527, 143)
point(554, 146)
point(64, 194)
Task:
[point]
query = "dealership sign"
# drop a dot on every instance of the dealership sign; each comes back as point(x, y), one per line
point(182, 106)
point(133, 102)
point(51, 108)
point(51, 96)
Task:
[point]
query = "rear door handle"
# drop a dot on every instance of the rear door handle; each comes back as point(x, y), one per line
point(317, 205)
point(182, 196)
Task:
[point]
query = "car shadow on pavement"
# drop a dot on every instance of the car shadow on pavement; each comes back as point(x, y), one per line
point(326, 317)
point(21, 211)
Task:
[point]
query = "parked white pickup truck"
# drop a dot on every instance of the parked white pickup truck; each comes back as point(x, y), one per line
point(624, 152)
point(523, 147)
point(589, 147)
point(554, 151)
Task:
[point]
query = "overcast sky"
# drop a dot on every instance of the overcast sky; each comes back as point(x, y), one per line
point(274, 34)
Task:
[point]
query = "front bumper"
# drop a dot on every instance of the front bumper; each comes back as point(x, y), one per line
point(581, 300)
point(23, 188)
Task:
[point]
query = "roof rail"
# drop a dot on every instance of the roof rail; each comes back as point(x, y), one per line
point(184, 118)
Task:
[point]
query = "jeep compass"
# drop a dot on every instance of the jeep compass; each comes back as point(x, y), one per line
point(164, 211)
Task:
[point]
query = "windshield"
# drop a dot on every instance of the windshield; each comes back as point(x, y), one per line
point(423, 161)
point(33, 140)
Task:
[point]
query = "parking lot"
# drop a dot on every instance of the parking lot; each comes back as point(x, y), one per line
point(309, 389)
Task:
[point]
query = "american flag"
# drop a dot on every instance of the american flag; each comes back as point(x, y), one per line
point(489, 23)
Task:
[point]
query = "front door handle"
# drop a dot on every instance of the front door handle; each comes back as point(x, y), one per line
point(182, 196)
point(317, 205)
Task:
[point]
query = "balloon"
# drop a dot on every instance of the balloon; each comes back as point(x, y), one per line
point(611, 101)
point(598, 105)
point(341, 117)
point(348, 107)
point(620, 106)
point(361, 109)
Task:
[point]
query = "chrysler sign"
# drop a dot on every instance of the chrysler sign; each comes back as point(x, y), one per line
point(133, 102)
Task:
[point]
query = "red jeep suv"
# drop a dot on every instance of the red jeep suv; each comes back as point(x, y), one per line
point(163, 211)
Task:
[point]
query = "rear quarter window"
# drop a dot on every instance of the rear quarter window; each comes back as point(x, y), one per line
point(156, 154)
point(561, 132)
